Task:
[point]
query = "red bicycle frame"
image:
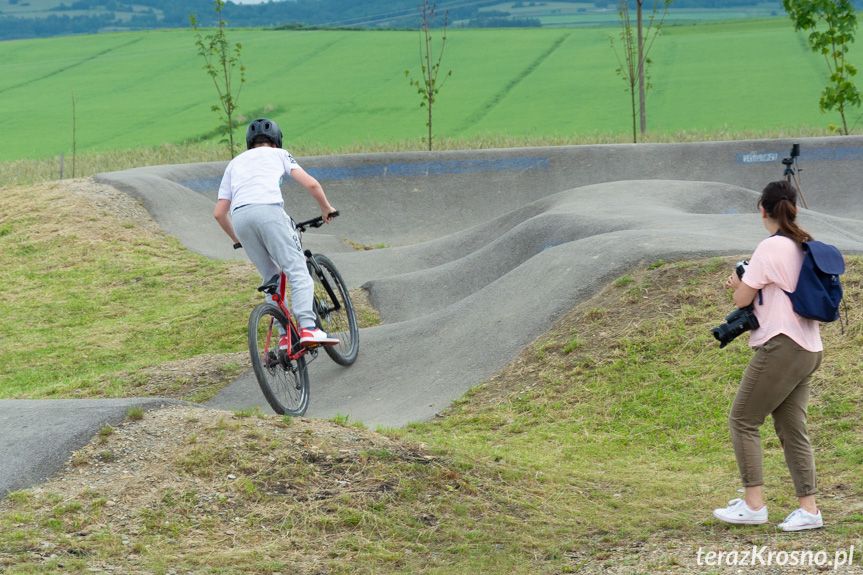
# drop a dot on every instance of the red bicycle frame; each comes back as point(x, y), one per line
point(279, 300)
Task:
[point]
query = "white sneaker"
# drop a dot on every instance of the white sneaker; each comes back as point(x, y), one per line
point(738, 512)
point(801, 519)
point(315, 336)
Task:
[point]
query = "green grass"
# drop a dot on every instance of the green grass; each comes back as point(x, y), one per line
point(337, 89)
point(609, 432)
point(94, 297)
point(624, 434)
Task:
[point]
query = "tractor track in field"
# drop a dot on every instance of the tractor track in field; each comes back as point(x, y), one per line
point(67, 68)
point(478, 116)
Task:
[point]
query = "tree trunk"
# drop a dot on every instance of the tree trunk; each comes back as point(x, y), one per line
point(642, 113)
point(430, 125)
point(634, 128)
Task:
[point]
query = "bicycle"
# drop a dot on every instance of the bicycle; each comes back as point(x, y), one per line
point(283, 374)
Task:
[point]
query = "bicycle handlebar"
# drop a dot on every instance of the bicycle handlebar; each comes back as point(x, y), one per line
point(301, 227)
point(315, 222)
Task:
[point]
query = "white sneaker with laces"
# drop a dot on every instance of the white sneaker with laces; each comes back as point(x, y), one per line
point(315, 336)
point(738, 512)
point(801, 519)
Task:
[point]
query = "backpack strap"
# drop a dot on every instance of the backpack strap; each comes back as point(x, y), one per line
point(845, 305)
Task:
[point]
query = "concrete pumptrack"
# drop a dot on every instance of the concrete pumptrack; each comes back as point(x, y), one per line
point(490, 248)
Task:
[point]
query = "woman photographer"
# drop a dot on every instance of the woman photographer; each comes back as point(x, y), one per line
point(776, 382)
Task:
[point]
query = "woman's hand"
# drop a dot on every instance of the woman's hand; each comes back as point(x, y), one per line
point(732, 282)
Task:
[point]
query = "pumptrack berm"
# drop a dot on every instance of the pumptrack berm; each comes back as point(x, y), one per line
point(488, 249)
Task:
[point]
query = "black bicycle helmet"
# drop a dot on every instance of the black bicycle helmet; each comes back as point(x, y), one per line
point(263, 127)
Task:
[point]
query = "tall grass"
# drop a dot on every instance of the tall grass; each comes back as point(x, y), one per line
point(26, 171)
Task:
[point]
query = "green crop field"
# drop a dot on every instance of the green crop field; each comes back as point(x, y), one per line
point(339, 87)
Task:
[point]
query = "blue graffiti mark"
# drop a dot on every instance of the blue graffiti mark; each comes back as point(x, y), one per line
point(201, 185)
point(419, 169)
point(404, 170)
point(832, 154)
point(806, 155)
point(550, 244)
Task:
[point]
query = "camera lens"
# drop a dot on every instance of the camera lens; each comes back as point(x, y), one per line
point(737, 322)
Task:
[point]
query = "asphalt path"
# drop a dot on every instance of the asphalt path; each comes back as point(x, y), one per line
point(39, 435)
point(486, 250)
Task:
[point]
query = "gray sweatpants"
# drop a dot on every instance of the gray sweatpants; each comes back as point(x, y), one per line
point(776, 382)
point(270, 239)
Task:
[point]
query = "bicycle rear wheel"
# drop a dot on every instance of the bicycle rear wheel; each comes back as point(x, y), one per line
point(285, 383)
point(336, 317)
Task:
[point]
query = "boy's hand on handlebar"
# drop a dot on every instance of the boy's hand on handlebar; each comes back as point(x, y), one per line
point(328, 214)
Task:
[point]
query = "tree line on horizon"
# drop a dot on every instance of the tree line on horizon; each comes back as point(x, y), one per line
point(114, 15)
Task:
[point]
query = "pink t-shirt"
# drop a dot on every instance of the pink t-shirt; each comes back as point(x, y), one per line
point(774, 267)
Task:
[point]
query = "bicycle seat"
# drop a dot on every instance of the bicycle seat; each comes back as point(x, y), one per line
point(270, 286)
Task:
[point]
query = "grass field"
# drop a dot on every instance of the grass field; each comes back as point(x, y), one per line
point(339, 88)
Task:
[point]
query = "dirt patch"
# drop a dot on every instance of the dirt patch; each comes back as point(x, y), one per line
point(86, 201)
point(197, 379)
point(247, 481)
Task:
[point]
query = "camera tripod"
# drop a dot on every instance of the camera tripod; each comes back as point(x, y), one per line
point(790, 174)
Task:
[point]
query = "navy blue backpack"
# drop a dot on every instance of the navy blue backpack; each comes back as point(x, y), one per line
point(819, 290)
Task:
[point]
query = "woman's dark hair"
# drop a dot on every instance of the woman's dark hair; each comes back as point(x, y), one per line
point(779, 200)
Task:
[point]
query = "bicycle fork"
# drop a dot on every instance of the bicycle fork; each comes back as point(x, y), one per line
point(316, 269)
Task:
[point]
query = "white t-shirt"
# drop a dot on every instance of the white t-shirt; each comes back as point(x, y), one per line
point(254, 177)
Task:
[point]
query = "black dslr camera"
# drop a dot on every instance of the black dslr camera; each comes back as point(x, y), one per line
point(795, 153)
point(738, 321)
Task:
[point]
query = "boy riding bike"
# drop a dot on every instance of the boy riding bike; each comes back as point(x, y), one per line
point(250, 209)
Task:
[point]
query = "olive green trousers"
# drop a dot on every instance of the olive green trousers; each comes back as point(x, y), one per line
point(776, 382)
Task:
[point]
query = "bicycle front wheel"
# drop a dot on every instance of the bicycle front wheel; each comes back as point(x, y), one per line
point(335, 311)
point(285, 382)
